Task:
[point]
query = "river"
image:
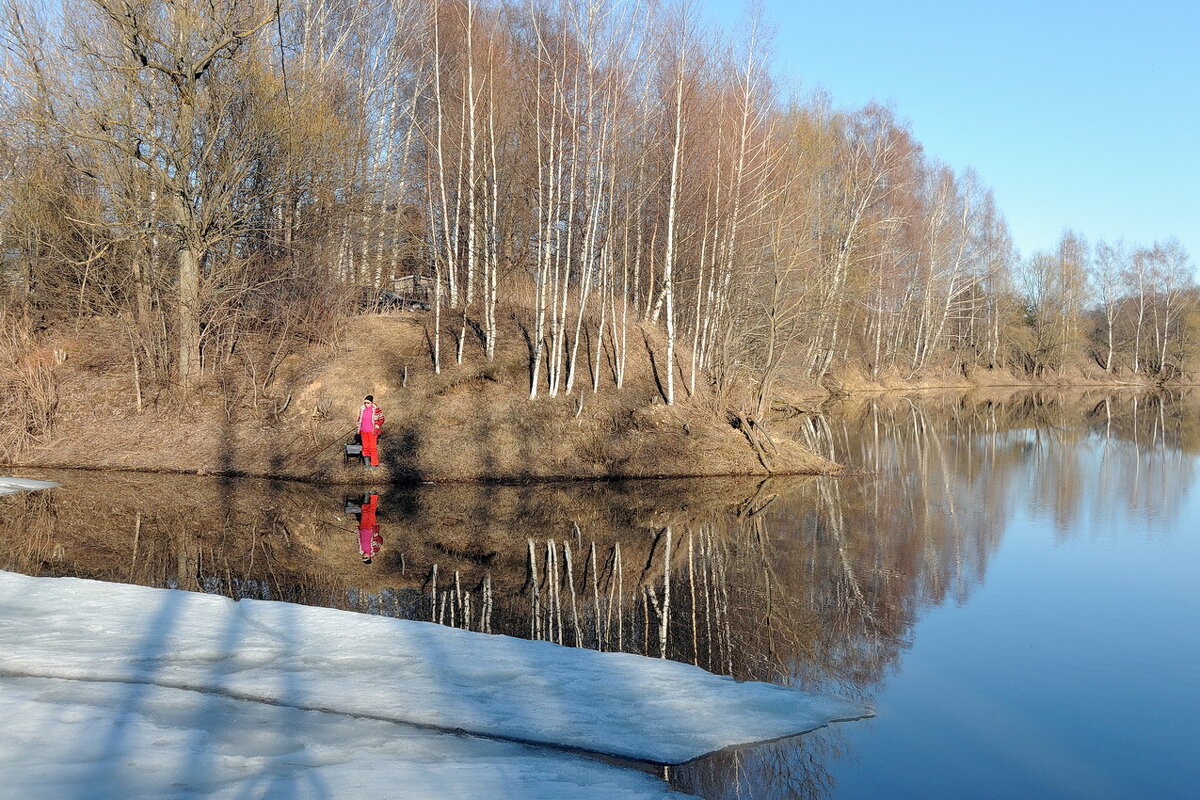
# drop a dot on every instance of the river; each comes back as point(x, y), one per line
point(1008, 579)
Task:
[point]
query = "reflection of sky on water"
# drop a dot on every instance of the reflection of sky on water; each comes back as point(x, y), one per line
point(1070, 673)
point(1068, 668)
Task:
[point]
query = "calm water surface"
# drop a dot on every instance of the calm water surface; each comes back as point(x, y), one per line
point(1011, 582)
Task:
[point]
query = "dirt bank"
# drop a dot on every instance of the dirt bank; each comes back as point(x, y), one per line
point(472, 421)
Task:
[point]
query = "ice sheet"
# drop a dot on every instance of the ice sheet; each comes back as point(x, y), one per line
point(12, 485)
point(388, 669)
point(116, 740)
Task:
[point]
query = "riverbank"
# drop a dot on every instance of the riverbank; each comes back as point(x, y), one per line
point(471, 422)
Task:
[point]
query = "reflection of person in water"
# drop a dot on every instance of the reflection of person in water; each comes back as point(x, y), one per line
point(370, 542)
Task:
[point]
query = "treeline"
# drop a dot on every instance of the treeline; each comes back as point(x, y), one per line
point(212, 173)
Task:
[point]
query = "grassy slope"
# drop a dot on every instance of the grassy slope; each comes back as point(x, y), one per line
point(473, 421)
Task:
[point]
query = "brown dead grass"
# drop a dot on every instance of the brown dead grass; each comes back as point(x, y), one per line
point(473, 421)
point(803, 394)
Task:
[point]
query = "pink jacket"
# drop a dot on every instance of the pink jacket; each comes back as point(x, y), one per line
point(370, 419)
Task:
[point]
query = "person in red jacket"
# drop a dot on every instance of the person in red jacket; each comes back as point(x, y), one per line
point(370, 541)
point(370, 420)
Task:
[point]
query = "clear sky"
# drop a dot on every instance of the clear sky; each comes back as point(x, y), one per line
point(1079, 115)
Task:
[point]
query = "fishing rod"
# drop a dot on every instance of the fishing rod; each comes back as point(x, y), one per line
point(337, 439)
point(338, 527)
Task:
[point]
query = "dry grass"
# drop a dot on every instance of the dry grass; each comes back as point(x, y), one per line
point(29, 396)
point(472, 421)
point(804, 394)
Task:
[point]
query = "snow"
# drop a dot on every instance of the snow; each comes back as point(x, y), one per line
point(12, 485)
point(216, 696)
point(117, 740)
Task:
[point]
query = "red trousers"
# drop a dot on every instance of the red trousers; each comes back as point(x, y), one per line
point(369, 540)
point(370, 448)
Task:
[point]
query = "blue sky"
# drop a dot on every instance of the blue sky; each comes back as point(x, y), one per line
point(1079, 115)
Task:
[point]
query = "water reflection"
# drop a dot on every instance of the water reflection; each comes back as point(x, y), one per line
point(365, 511)
point(812, 582)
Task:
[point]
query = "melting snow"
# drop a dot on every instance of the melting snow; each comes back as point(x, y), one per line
point(208, 695)
point(115, 740)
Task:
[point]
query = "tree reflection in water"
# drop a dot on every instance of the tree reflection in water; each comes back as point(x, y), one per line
point(811, 582)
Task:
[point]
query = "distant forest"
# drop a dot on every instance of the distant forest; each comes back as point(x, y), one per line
point(208, 171)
